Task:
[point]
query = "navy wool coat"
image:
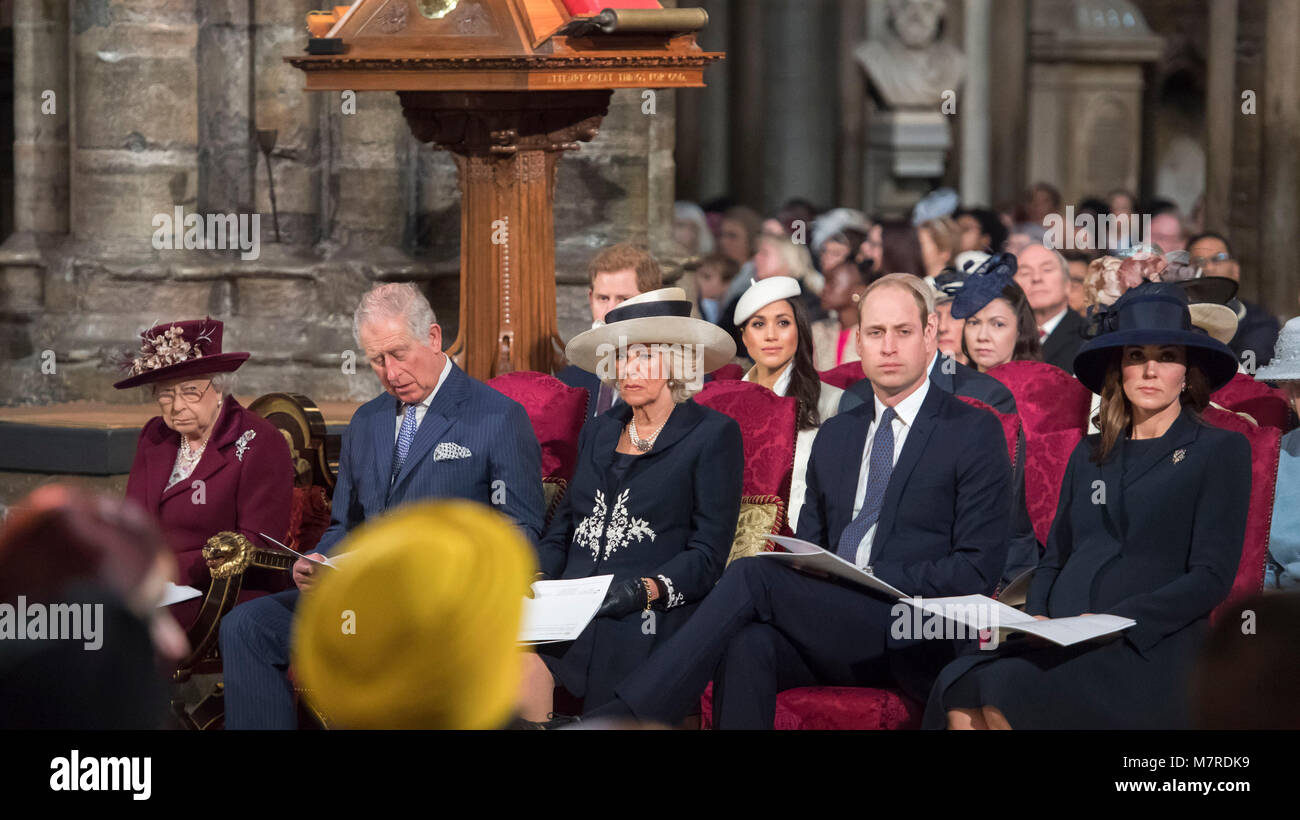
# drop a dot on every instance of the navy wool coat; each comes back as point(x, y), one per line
point(1162, 549)
point(672, 517)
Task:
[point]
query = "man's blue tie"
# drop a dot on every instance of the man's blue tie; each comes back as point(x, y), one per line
point(404, 437)
point(881, 466)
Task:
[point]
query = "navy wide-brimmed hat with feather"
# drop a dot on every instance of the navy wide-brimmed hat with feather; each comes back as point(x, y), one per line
point(1153, 313)
point(984, 285)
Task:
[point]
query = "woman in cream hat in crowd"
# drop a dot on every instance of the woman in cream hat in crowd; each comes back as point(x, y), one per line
point(775, 329)
point(1284, 540)
point(420, 629)
point(654, 498)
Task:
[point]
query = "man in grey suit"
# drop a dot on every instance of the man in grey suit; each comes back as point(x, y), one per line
point(434, 433)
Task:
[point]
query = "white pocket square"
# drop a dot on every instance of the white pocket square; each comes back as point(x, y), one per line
point(447, 451)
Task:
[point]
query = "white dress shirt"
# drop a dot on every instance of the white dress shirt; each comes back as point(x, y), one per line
point(422, 407)
point(904, 415)
point(1047, 328)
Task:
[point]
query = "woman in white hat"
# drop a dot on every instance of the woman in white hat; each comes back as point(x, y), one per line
point(777, 335)
point(654, 499)
point(1283, 570)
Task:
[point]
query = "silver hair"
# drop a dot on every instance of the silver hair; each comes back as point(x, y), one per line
point(396, 299)
point(684, 370)
point(224, 383)
point(1061, 261)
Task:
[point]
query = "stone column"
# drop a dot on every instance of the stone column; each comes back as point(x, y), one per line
point(1008, 72)
point(226, 150)
point(1222, 107)
point(1280, 155)
point(41, 139)
point(974, 104)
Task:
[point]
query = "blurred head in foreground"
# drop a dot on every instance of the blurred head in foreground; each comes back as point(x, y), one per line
point(96, 565)
point(1249, 670)
point(419, 627)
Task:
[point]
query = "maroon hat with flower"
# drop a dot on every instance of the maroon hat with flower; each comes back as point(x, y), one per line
point(178, 350)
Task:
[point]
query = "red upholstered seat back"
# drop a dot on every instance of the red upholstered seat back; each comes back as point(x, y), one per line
point(767, 428)
point(1010, 426)
point(728, 373)
point(1265, 449)
point(556, 411)
point(1053, 409)
point(843, 376)
point(1266, 405)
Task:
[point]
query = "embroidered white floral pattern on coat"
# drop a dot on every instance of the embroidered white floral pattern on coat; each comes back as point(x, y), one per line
point(622, 529)
point(241, 443)
point(674, 599)
point(449, 450)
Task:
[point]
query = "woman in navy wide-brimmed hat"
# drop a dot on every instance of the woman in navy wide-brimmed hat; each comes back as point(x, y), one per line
point(1149, 527)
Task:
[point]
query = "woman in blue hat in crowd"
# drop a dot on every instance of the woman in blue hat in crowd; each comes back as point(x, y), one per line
point(1149, 527)
point(1000, 326)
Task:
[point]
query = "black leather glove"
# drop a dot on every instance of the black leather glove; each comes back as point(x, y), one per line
point(623, 598)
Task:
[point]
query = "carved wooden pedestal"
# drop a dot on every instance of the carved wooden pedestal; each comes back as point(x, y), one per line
point(507, 147)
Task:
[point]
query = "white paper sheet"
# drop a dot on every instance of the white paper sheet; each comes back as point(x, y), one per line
point(176, 593)
point(276, 546)
point(981, 612)
point(806, 555)
point(560, 610)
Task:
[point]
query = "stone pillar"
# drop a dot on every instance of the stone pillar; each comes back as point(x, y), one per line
point(226, 150)
point(1280, 156)
point(1008, 72)
point(1222, 107)
point(974, 105)
point(1085, 96)
point(41, 139)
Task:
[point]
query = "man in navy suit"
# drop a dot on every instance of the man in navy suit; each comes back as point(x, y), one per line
point(434, 433)
point(915, 487)
point(615, 275)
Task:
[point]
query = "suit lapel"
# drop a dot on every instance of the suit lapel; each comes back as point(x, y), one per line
point(849, 466)
point(442, 413)
point(1112, 484)
point(947, 382)
point(917, 437)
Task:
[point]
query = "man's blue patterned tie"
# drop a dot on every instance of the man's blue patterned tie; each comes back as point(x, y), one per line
point(404, 438)
point(882, 464)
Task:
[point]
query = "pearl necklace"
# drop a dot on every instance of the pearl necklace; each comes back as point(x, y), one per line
point(190, 457)
point(645, 444)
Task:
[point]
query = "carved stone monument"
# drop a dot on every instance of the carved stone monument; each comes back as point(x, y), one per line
point(914, 74)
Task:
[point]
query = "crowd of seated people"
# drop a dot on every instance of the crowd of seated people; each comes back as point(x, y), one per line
point(903, 468)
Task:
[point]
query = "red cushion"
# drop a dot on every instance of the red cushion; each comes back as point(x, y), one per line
point(1053, 408)
point(767, 429)
point(843, 376)
point(1265, 449)
point(835, 707)
point(728, 373)
point(309, 517)
point(556, 411)
point(1266, 405)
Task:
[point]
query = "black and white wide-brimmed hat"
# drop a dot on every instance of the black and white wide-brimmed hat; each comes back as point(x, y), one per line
point(656, 317)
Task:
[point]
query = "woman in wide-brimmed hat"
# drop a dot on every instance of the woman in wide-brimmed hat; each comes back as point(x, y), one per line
point(1149, 527)
point(654, 499)
point(1284, 540)
point(204, 464)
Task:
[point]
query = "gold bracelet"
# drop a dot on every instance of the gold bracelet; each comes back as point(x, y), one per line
point(647, 583)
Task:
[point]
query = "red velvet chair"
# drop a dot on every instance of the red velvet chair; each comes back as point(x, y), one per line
point(767, 430)
point(557, 413)
point(1266, 405)
point(1053, 409)
point(857, 707)
point(1265, 449)
point(843, 376)
point(728, 373)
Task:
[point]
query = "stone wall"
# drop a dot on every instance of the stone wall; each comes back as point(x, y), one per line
point(161, 107)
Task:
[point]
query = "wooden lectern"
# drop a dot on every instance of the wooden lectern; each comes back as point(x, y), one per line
point(507, 86)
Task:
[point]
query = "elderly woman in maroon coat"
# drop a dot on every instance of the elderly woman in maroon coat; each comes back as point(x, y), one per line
point(205, 464)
